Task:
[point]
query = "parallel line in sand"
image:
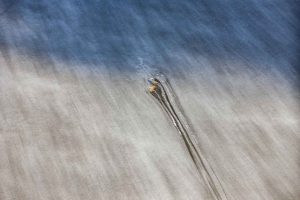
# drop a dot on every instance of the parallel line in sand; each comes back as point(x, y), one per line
point(159, 92)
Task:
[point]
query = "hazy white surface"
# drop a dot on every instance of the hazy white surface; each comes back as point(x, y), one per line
point(76, 126)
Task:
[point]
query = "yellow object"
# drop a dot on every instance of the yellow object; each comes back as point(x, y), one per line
point(152, 88)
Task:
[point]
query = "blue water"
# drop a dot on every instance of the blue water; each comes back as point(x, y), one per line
point(161, 32)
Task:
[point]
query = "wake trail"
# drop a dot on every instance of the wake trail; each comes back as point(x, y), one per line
point(161, 89)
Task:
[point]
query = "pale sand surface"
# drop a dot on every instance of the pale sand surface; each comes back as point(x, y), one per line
point(76, 121)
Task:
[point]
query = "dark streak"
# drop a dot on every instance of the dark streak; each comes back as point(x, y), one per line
point(160, 93)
